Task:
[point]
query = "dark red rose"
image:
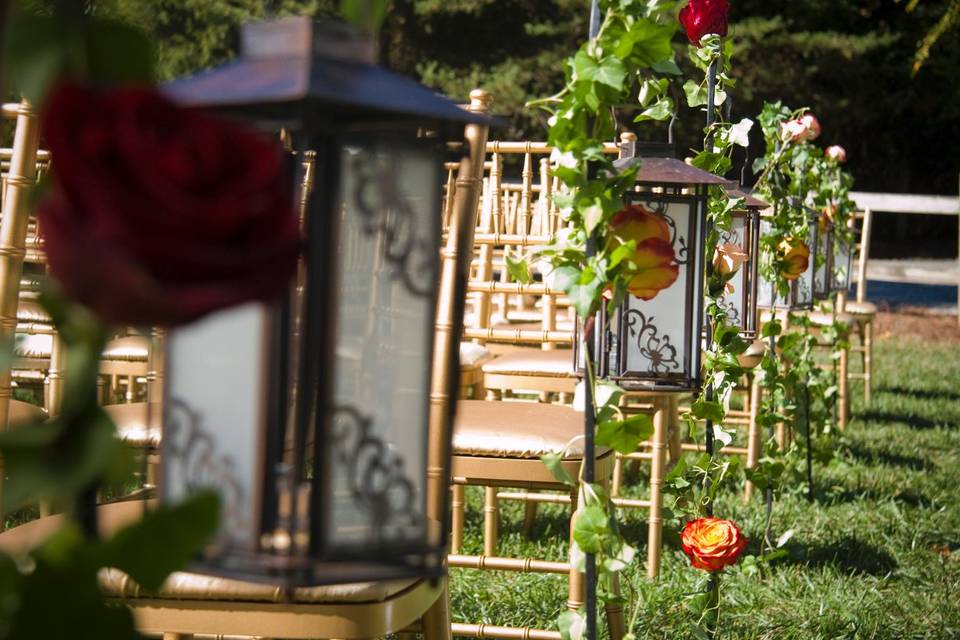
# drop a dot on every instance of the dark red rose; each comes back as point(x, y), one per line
point(159, 214)
point(701, 17)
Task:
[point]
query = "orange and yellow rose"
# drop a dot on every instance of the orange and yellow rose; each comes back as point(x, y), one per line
point(712, 543)
point(794, 258)
point(654, 261)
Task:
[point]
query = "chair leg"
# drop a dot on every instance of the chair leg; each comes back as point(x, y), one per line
point(456, 516)
point(436, 621)
point(843, 384)
point(868, 362)
point(490, 523)
point(659, 446)
point(754, 440)
point(576, 592)
point(617, 480)
point(614, 611)
point(529, 517)
point(131, 388)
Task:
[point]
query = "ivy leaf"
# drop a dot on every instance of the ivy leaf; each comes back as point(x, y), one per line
point(624, 436)
point(608, 71)
point(708, 410)
point(164, 540)
point(660, 110)
point(739, 133)
point(648, 43)
point(518, 269)
point(724, 437)
point(591, 529)
point(696, 93)
point(669, 67)
point(572, 625)
point(785, 538)
point(554, 464)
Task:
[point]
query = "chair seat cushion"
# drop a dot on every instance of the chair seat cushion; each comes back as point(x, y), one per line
point(22, 413)
point(127, 349)
point(860, 308)
point(183, 585)
point(138, 423)
point(191, 586)
point(38, 345)
point(820, 319)
point(556, 363)
point(517, 430)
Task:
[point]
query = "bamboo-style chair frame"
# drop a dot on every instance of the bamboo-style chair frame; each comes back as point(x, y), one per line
point(863, 311)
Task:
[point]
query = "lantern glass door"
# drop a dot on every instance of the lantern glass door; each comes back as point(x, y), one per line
point(824, 263)
point(843, 265)
point(659, 338)
point(216, 439)
point(388, 234)
point(740, 293)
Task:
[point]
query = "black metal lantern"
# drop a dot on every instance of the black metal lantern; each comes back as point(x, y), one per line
point(823, 258)
point(801, 294)
point(842, 265)
point(740, 296)
point(310, 415)
point(654, 342)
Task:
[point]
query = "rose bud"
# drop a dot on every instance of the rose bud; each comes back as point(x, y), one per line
point(794, 258)
point(655, 266)
point(812, 125)
point(712, 543)
point(159, 214)
point(827, 216)
point(703, 17)
point(728, 258)
point(836, 153)
point(793, 130)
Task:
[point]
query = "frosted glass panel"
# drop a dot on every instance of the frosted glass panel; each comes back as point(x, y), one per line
point(213, 413)
point(735, 295)
point(388, 253)
point(658, 332)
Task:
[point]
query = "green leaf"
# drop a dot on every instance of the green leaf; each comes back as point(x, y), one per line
point(164, 540)
point(591, 529)
point(571, 625)
point(367, 15)
point(554, 464)
point(608, 71)
point(661, 110)
point(669, 67)
point(648, 43)
point(708, 410)
point(696, 93)
point(624, 436)
point(51, 461)
point(518, 269)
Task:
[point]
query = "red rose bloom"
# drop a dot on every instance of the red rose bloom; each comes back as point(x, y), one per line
point(160, 214)
point(701, 17)
point(712, 544)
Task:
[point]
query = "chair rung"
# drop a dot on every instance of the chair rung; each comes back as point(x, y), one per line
point(734, 451)
point(504, 633)
point(630, 503)
point(526, 496)
point(496, 563)
point(637, 455)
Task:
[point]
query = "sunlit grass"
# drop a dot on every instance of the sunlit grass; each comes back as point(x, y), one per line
point(876, 555)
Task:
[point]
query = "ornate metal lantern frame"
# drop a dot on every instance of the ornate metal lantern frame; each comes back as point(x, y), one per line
point(823, 259)
point(656, 344)
point(303, 413)
point(741, 304)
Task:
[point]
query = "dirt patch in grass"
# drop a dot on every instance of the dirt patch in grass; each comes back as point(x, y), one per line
point(915, 323)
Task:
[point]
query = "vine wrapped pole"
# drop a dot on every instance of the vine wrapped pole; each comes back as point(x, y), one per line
point(711, 106)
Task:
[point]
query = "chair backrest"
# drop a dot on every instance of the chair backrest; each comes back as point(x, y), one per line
point(20, 177)
point(862, 249)
point(463, 196)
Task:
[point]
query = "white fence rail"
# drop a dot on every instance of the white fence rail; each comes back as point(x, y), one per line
point(913, 204)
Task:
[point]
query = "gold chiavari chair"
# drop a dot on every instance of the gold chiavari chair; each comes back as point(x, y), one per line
point(191, 604)
point(863, 311)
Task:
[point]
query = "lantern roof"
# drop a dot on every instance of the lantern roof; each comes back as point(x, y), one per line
point(299, 68)
point(659, 166)
point(735, 190)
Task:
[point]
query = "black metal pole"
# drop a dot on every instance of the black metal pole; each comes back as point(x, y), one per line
point(589, 419)
point(768, 493)
point(806, 402)
point(711, 100)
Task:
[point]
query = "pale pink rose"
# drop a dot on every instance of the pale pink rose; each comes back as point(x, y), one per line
point(812, 125)
point(793, 130)
point(728, 259)
point(837, 153)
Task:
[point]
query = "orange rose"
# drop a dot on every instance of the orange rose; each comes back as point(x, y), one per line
point(712, 543)
point(654, 259)
point(728, 258)
point(794, 258)
point(827, 216)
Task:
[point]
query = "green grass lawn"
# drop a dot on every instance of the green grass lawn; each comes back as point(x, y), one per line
point(876, 555)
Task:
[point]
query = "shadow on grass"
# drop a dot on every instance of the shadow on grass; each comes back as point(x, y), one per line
point(924, 394)
point(907, 497)
point(914, 422)
point(848, 555)
point(867, 456)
